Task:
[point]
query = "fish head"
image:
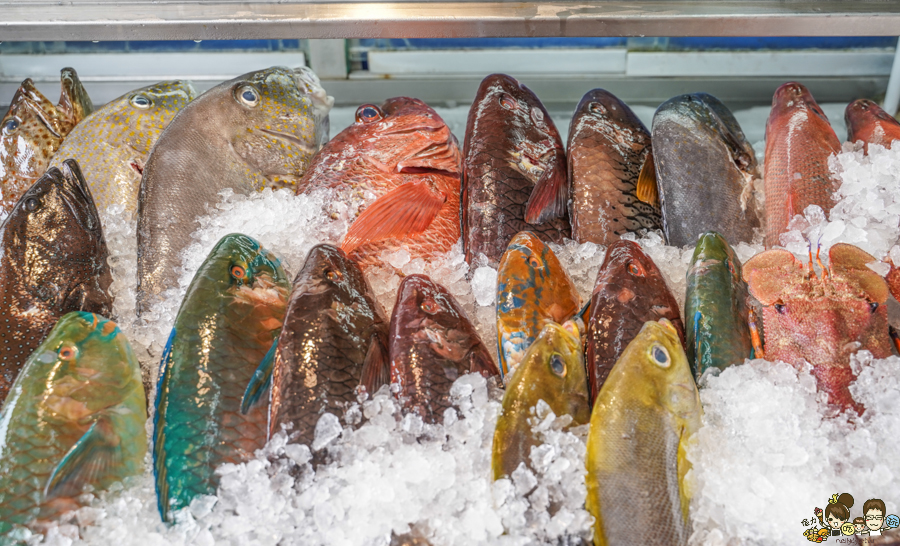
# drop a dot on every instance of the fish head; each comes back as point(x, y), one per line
point(714, 255)
point(533, 142)
point(627, 273)
point(55, 242)
point(85, 366)
point(530, 275)
point(604, 112)
point(864, 118)
point(30, 132)
point(140, 116)
point(328, 271)
point(241, 267)
point(793, 98)
point(276, 120)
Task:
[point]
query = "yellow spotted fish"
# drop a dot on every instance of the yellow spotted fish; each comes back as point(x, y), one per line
point(112, 144)
point(646, 412)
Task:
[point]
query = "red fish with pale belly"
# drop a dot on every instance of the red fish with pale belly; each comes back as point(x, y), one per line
point(867, 121)
point(400, 165)
point(799, 140)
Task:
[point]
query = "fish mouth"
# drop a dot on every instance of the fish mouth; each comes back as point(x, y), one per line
point(290, 139)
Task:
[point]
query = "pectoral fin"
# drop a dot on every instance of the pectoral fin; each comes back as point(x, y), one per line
point(549, 196)
point(376, 370)
point(261, 380)
point(404, 211)
point(159, 436)
point(647, 189)
point(94, 456)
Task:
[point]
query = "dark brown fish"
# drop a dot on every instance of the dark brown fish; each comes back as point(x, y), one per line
point(866, 121)
point(514, 170)
point(52, 262)
point(608, 146)
point(629, 292)
point(432, 343)
point(705, 169)
point(333, 341)
point(31, 132)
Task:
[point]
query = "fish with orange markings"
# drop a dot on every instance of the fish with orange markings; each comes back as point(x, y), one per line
point(400, 165)
point(799, 140)
point(868, 122)
point(533, 290)
point(821, 320)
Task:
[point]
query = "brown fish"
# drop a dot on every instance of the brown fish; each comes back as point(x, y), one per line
point(514, 170)
point(629, 292)
point(52, 262)
point(608, 146)
point(432, 343)
point(799, 140)
point(405, 155)
point(32, 131)
point(866, 121)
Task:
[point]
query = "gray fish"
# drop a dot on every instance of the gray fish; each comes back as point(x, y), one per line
point(705, 170)
point(256, 131)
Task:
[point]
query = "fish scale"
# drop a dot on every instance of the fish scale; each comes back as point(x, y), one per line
point(112, 144)
point(225, 327)
point(495, 190)
point(607, 148)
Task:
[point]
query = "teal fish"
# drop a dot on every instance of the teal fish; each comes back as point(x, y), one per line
point(74, 418)
point(229, 319)
point(715, 307)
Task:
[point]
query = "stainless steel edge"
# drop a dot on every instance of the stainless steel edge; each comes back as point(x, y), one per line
point(24, 20)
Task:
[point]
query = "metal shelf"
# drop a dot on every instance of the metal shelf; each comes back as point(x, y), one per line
point(31, 20)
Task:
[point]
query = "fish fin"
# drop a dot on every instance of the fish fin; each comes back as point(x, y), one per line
point(647, 188)
point(159, 455)
point(402, 212)
point(480, 361)
point(376, 370)
point(697, 358)
point(895, 337)
point(549, 196)
point(261, 380)
point(95, 455)
point(755, 337)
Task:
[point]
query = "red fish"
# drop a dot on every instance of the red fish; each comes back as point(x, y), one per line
point(866, 121)
point(799, 140)
point(404, 154)
point(821, 320)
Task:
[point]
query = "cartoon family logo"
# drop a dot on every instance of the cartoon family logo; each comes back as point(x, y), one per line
point(835, 519)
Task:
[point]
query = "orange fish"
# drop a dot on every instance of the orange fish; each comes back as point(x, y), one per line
point(799, 140)
point(400, 165)
point(866, 121)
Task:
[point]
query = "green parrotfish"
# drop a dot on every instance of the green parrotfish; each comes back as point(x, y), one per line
point(74, 418)
point(230, 317)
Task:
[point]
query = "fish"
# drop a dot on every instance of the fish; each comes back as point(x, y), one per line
point(399, 166)
point(553, 371)
point(258, 130)
point(31, 132)
point(112, 144)
point(514, 171)
point(799, 140)
point(332, 345)
point(229, 319)
point(715, 308)
point(636, 461)
point(53, 261)
point(74, 419)
point(868, 122)
point(431, 344)
point(533, 289)
point(821, 320)
point(608, 148)
point(705, 169)
point(629, 291)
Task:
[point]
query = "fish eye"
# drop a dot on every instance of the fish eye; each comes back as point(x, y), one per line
point(141, 102)
point(636, 269)
point(247, 95)
point(780, 308)
point(368, 113)
point(660, 356)
point(508, 102)
point(597, 108)
point(558, 365)
point(533, 261)
point(430, 306)
point(873, 306)
point(334, 275)
point(10, 126)
point(238, 272)
point(67, 352)
point(32, 204)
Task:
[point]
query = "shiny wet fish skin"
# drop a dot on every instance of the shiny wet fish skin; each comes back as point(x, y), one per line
point(258, 130)
point(112, 144)
point(75, 418)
